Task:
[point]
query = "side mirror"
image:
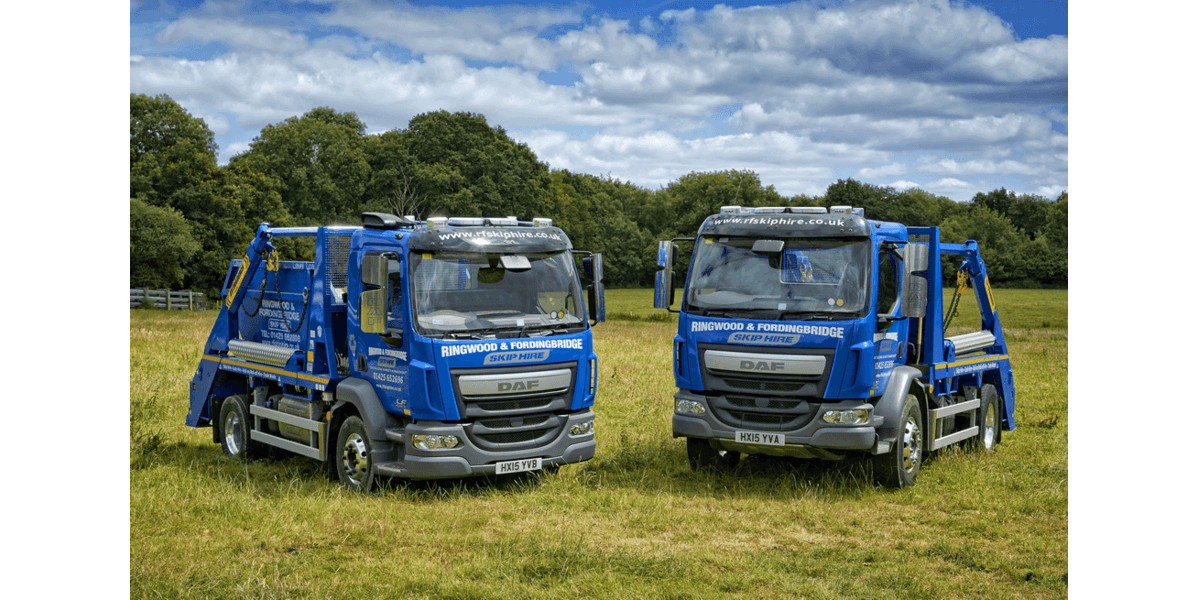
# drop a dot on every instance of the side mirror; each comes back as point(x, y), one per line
point(593, 271)
point(664, 278)
point(915, 257)
point(593, 267)
point(374, 270)
point(914, 294)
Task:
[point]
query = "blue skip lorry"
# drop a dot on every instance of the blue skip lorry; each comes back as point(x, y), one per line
point(817, 333)
point(431, 349)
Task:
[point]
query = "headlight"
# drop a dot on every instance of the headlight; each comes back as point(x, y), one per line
point(585, 428)
point(846, 417)
point(689, 407)
point(434, 442)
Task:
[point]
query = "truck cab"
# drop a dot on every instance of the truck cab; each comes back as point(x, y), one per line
point(817, 334)
point(435, 349)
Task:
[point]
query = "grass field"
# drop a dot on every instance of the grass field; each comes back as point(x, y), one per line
point(634, 522)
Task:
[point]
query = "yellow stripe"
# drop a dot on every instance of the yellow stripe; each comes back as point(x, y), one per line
point(237, 282)
point(283, 372)
point(991, 301)
point(972, 361)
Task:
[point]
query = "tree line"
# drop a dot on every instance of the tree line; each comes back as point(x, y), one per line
point(188, 216)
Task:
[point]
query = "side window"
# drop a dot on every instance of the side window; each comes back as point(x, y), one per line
point(887, 283)
point(381, 303)
point(395, 284)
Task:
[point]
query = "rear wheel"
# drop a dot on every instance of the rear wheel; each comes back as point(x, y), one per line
point(701, 455)
point(356, 470)
point(899, 466)
point(989, 419)
point(235, 429)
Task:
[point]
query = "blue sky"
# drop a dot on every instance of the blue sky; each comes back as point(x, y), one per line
point(952, 97)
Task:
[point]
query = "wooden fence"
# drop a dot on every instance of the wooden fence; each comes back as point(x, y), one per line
point(185, 300)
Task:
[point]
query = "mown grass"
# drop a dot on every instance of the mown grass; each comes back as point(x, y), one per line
point(634, 522)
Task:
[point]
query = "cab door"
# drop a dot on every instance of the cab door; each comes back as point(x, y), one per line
point(378, 345)
point(891, 332)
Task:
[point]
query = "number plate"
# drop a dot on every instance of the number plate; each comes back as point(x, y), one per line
point(758, 438)
point(519, 466)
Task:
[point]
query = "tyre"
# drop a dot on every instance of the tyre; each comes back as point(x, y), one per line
point(234, 421)
point(355, 468)
point(899, 466)
point(701, 455)
point(989, 419)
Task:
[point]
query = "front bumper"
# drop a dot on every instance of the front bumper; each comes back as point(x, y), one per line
point(816, 439)
point(469, 459)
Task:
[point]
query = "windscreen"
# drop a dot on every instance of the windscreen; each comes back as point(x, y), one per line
point(807, 278)
point(479, 295)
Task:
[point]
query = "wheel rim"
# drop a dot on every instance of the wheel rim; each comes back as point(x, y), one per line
point(989, 426)
point(911, 452)
point(233, 432)
point(355, 461)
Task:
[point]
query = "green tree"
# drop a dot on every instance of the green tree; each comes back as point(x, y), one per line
point(160, 245)
point(1005, 250)
point(695, 196)
point(318, 160)
point(591, 210)
point(170, 151)
point(1027, 212)
point(462, 166)
point(913, 207)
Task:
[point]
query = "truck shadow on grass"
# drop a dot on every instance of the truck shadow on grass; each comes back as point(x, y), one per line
point(278, 473)
point(651, 466)
point(662, 466)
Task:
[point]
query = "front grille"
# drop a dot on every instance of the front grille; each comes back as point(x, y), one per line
point(516, 433)
point(797, 386)
point(513, 421)
point(509, 406)
point(770, 414)
point(765, 386)
point(512, 438)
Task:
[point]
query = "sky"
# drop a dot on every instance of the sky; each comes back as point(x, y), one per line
point(952, 97)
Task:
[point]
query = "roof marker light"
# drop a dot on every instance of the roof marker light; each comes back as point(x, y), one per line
point(809, 210)
point(437, 222)
point(730, 210)
point(542, 222)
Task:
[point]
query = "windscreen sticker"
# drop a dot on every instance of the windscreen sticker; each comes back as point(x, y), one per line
point(555, 344)
point(505, 234)
point(506, 358)
point(775, 220)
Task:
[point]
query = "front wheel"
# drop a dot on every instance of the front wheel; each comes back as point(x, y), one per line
point(899, 466)
point(701, 455)
point(355, 468)
point(235, 429)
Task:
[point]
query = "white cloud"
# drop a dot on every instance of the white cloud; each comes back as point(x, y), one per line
point(888, 170)
point(238, 35)
point(814, 91)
